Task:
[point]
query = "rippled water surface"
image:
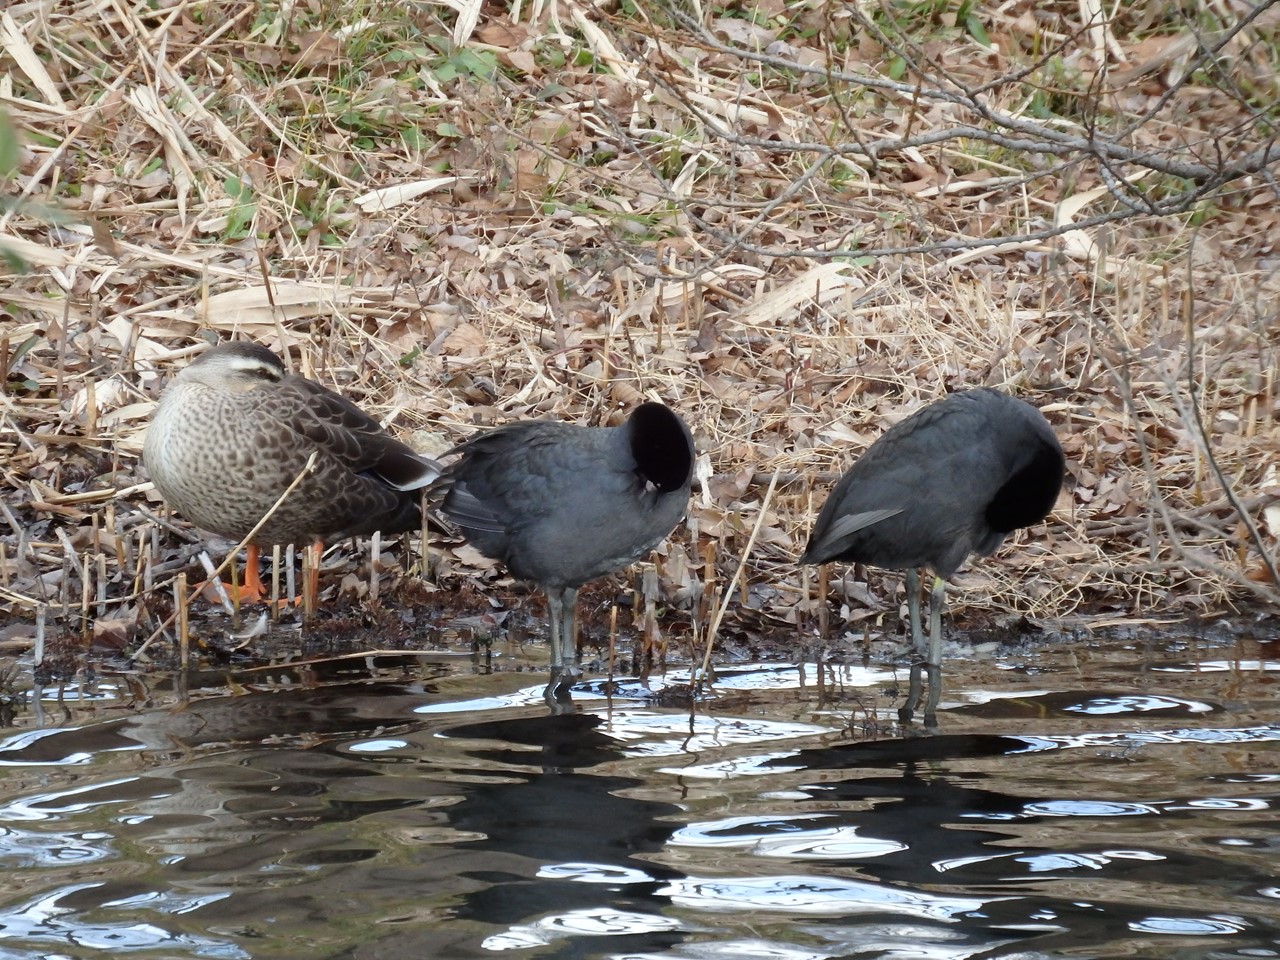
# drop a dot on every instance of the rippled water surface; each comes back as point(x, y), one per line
point(1089, 800)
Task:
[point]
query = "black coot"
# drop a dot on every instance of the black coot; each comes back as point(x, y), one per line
point(954, 478)
point(560, 504)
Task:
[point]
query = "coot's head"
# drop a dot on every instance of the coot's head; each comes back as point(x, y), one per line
point(661, 445)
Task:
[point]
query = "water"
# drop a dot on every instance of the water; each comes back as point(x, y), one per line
point(1100, 800)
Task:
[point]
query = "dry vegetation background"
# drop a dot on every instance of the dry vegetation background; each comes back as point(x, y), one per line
point(794, 222)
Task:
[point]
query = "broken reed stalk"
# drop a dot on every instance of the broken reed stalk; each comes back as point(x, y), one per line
point(275, 581)
point(142, 565)
point(375, 552)
point(236, 593)
point(153, 550)
point(804, 605)
point(655, 647)
point(181, 613)
point(211, 573)
point(37, 650)
point(646, 621)
point(824, 592)
point(101, 595)
point(37, 661)
point(310, 578)
point(424, 565)
point(86, 597)
point(707, 602)
point(64, 603)
point(184, 637)
point(90, 407)
point(729, 584)
point(613, 646)
point(119, 541)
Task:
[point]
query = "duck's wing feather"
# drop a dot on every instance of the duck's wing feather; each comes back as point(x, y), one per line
point(339, 428)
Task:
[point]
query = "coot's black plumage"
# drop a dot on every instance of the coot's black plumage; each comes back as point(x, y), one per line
point(954, 478)
point(561, 504)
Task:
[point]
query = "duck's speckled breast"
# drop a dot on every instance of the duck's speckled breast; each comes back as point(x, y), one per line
point(213, 459)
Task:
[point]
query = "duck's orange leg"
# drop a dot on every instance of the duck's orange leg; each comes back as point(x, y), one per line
point(254, 591)
point(251, 591)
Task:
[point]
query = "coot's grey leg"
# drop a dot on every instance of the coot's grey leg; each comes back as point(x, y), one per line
point(569, 668)
point(913, 611)
point(936, 601)
point(918, 646)
point(555, 611)
point(561, 605)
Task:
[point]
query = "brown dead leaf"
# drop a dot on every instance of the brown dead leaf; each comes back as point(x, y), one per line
point(317, 48)
point(508, 36)
point(727, 487)
point(473, 558)
point(521, 60)
point(744, 32)
point(465, 341)
point(114, 633)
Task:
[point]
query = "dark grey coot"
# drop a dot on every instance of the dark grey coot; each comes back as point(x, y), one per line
point(560, 504)
point(954, 478)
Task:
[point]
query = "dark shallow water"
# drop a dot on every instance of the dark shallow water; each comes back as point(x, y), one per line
point(1090, 800)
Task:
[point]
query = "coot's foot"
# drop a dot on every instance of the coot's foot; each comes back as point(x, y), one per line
point(558, 691)
point(916, 688)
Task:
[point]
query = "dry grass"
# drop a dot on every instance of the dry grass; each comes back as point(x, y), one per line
point(615, 215)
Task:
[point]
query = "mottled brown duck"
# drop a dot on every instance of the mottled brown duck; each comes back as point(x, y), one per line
point(234, 430)
point(954, 478)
